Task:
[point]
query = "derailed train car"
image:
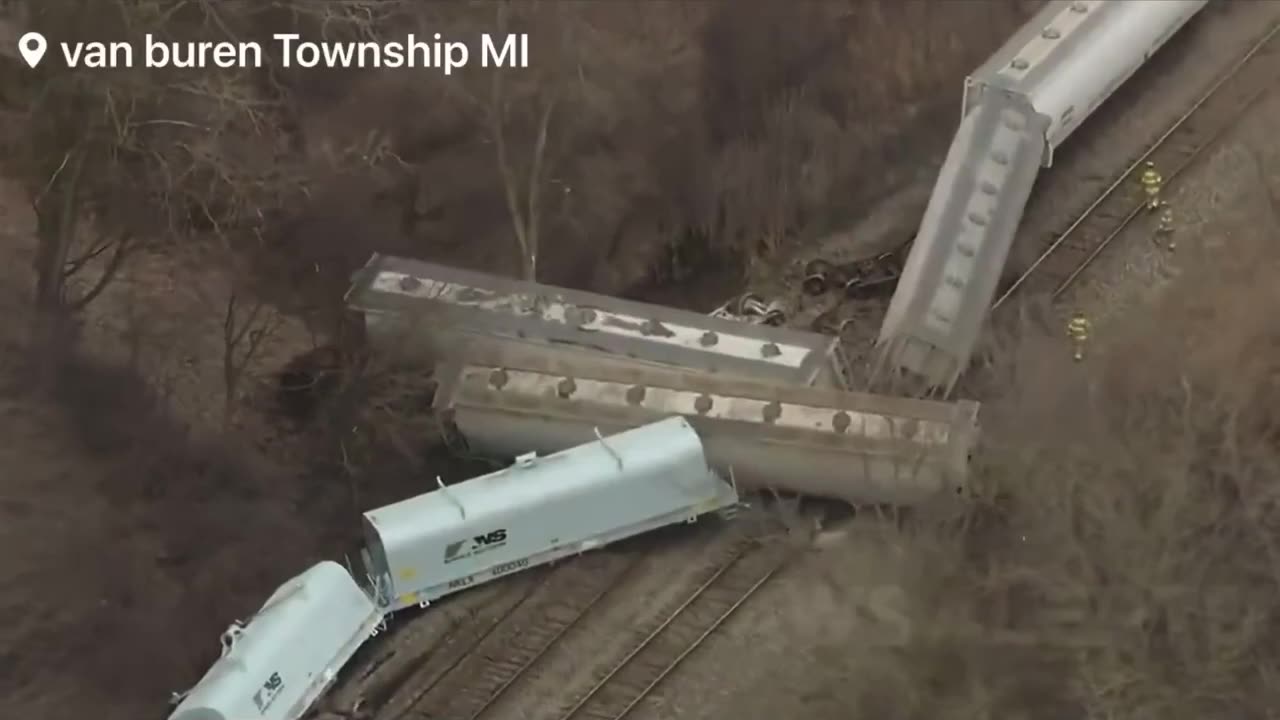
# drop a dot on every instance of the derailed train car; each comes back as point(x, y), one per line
point(278, 663)
point(419, 310)
point(541, 509)
point(864, 449)
point(1019, 107)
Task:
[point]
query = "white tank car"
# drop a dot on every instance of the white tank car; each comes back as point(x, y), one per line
point(1074, 54)
point(541, 509)
point(419, 311)
point(277, 664)
point(864, 449)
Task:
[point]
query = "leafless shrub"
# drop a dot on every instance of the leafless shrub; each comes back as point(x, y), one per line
point(766, 188)
point(119, 159)
point(534, 118)
point(371, 421)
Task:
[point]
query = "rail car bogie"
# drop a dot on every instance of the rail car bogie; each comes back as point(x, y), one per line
point(424, 311)
point(541, 509)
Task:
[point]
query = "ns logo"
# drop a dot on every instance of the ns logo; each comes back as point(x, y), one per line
point(267, 693)
point(453, 550)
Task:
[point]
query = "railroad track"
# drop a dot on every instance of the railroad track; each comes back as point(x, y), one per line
point(480, 673)
point(1237, 90)
point(483, 664)
point(660, 646)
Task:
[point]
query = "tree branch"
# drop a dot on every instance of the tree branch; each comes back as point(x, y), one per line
point(233, 335)
point(74, 266)
point(56, 232)
point(497, 127)
point(248, 324)
point(535, 190)
point(526, 237)
point(108, 274)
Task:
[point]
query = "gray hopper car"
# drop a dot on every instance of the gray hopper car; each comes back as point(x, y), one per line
point(417, 310)
point(864, 449)
point(540, 509)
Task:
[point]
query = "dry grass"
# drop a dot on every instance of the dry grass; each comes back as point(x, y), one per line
point(1125, 564)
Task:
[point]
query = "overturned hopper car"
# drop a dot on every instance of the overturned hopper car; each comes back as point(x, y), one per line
point(864, 449)
point(540, 509)
point(419, 310)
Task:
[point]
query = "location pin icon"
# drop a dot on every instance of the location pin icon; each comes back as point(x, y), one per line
point(32, 46)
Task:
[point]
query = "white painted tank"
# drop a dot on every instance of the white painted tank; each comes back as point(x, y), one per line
point(276, 665)
point(1075, 53)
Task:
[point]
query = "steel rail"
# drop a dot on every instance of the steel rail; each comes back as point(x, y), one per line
point(697, 642)
point(439, 677)
point(702, 591)
point(510, 678)
point(559, 633)
point(1124, 178)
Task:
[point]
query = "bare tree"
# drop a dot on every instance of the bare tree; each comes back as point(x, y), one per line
point(523, 194)
point(533, 116)
point(61, 253)
point(115, 162)
point(68, 162)
point(523, 190)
